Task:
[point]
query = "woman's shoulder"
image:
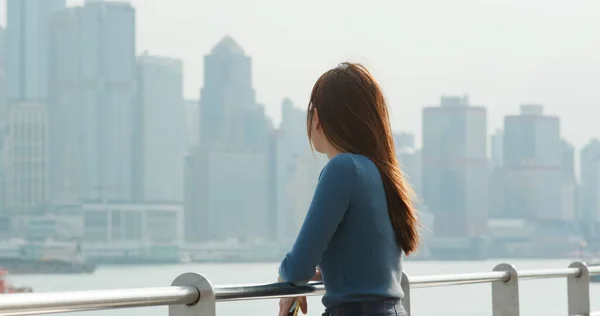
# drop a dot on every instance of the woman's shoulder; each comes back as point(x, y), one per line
point(348, 163)
point(345, 162)
point(341, 165)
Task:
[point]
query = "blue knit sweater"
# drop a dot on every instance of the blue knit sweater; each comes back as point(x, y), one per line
point(347, 233)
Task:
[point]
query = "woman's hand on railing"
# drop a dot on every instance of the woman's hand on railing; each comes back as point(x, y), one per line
point(318, 276)
point(285, 304)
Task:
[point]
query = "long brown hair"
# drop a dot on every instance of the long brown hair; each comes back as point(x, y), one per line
point(354, 116)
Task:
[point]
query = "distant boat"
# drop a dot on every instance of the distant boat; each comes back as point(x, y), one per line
point(18, 265)
point(44, 258)
point(7, 288)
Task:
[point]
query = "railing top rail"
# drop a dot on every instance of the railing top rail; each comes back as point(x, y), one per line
point(262, 291)
point(457, 279)
point(594, 270)
point(77, 301)
point(278, 290)
point(550, 273)
point(45, 303)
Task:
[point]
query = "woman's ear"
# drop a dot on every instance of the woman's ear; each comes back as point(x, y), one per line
point(316, 119)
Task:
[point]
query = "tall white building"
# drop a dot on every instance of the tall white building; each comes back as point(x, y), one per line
point(497, 149)
point(4, 142)
point(569, 182)
point(3, 116)
point(226, 195)
point(589, 194)
point(409, 158)
point(227, 176)
point(229, 114)
point(24, 53)
point(454, 167)
point(92, 98)
point(496, 182)
point(295, 176)
point(532, 165)
point(26, 168)
point(27, 37)
point(3, 83)
point(192, 117)
point(410, 165)
point(303, 172)
point(160, 142)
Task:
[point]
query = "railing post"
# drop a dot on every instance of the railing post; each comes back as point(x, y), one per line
point(405, 283)
point(505, 295)
point(205, 306)
point(579, 290)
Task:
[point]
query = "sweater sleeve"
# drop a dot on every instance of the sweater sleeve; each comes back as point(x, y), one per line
point(330, 202)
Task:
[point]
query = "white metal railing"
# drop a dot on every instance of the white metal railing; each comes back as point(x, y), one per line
point(192, 294)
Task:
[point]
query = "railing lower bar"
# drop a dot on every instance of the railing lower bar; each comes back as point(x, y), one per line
point(457, 279)
point(47, 303)
point(549, 274)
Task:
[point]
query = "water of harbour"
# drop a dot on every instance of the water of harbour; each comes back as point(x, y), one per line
point(538, 297)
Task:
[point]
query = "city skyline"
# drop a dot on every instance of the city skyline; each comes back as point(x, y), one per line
point(529, 58)
point(108, 146)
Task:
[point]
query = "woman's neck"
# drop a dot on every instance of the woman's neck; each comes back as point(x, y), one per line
point(332, 153)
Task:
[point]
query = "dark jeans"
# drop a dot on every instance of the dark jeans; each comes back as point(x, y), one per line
point(375, 308)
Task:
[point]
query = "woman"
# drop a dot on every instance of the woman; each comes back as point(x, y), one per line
point(361, 218)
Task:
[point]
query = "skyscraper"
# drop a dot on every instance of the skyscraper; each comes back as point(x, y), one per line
point(3, 103)
point(293, 124)
point(274, 201)
point(229, 113)
point(192, 116)
point(160, 141)
point(569, 182)
point(497, 146)
point(589, 197)
point(227, 178)
point(410, 164)
point(3, 117)
point(532, 165)
point(454, 162)
point(297, 171)
point(27, 36)
point(567, 161)
point(26, 177)
point(302, 175)
point(409, 158)
point(23, 96)
point(93, 87)
point(3, 171)
point(496, 178)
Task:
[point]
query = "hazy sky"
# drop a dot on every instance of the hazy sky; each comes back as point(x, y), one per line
point(502, 53)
